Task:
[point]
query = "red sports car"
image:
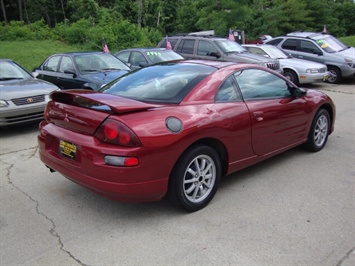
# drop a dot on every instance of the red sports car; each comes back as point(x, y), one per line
point(175, 128)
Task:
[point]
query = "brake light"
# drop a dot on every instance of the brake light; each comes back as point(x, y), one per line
point(46, 113)
point(115, 132)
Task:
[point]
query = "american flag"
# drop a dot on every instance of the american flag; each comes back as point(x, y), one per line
point(231, 36)
point(104, 46)
point(324, 29)
point(168, 44)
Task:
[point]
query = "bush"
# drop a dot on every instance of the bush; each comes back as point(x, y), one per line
point(18, 30)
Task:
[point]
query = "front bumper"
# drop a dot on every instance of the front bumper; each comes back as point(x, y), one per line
point(305, 78)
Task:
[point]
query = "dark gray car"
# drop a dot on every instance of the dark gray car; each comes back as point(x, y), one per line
point(213, 48)
point(22, 97)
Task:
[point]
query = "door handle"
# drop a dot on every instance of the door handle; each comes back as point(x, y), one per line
point(259, 115)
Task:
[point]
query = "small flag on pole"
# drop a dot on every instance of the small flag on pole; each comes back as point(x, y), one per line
point(104, 46)
point(324, 29)
point(231, 36)
point(168, 44)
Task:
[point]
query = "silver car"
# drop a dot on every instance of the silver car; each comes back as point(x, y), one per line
point(299, 71)
point(22, 97)
point(322, 48)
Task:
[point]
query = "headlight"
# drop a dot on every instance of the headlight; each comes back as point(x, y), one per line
point(312, 70)
point(349, 61)
point(3, 103)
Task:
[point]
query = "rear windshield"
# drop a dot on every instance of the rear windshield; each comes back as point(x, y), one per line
point(163, 83)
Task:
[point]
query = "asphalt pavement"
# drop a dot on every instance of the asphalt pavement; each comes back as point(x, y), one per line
point(297, 208)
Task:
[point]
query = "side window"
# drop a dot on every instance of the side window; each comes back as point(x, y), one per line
point(186, 46)
point(124, 56)
point(205, 47)
point(308, 47)
point(51, 64)
point(274, 42)
point(66, 64)
point(137, 58)
point(290, 44)
point(258, 84)
point(227, 91)
point(255, 50)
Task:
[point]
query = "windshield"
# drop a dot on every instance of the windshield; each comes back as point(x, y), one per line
point(163, 83)
point(163, 55)
point(99, 62)
point(10, 70)
point(330, 44)
point(228, 46)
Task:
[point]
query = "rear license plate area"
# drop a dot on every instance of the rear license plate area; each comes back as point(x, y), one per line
point(67, 149)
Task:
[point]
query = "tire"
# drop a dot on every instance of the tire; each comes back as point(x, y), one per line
point(318, 134)
point(335, 75)
point(192, 188)
point(291, 76)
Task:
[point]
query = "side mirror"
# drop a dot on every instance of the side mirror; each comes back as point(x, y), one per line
point(70, 72)
point(143, 64)
point(215, 54)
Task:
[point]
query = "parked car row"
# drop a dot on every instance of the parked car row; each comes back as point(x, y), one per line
point(302, 57)
point(298, 71)
point(109, 129)
point(322, 48)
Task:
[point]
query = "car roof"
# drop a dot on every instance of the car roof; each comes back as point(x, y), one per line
point(6, 60)
point(189, 36)
point(305, 34)
point(212, 63)
point(143, 49)
point(79, 53)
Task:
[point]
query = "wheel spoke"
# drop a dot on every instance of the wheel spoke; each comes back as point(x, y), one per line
point(190, 189)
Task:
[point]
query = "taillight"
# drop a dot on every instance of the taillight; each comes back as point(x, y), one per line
point(115, 132)
point(46, 113)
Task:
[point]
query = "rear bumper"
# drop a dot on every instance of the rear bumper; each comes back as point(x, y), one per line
point(126, 184)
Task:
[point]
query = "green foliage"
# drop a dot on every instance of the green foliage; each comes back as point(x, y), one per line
point(36, 51)
point(18, 30)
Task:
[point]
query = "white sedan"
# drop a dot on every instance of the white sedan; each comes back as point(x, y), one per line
point(298, 71)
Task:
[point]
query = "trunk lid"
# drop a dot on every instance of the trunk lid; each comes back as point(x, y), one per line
point(83, 111)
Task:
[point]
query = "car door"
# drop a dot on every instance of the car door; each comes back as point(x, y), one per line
point(206, 50)
point(309, 51)
point(186, 47)
point(278, 118)
point(48, 70)
point(68, 77)
point(137, 60)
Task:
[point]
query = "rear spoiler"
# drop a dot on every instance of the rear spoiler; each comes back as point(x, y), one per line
point(99, 101)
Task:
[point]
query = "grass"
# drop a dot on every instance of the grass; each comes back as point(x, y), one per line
point(349, 41)
point(31, 54)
